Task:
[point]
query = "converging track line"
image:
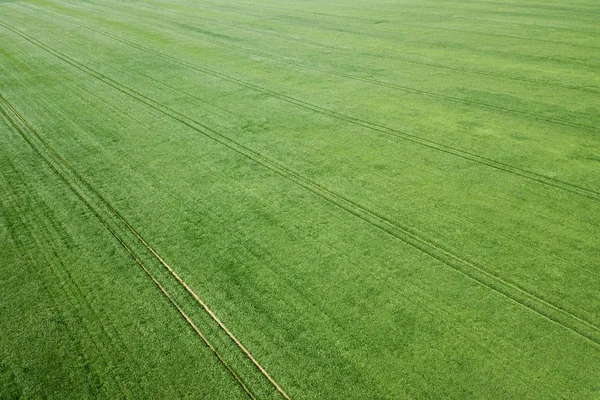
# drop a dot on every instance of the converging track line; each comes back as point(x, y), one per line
point(398, 87)
point(287, 37)
point(96, 212)
point(208, 310)
point(551, 120)
point(479, 274)
point(472, 157)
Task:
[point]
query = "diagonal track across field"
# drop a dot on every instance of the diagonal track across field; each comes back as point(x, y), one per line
point(158, 19)
point(98, 205)
point(444, 97)
point(309, 22)
point(397, 58)
point(466, 155)
point(408, 235)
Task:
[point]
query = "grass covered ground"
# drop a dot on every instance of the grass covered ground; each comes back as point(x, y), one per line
point(354, 200)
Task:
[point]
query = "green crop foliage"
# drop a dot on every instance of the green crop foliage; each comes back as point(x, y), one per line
point(356, 199)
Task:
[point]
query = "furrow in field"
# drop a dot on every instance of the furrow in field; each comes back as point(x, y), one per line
point(73, 297)
point(434, 312)
point(556, 183)
point(160, 18)
point(406, 60)
point(88, 195)
point(407, 235)
point(404, 88)
point(542, 251)
point(309, 22)
point(297, 11)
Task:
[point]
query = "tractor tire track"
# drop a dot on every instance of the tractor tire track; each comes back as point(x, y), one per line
point(444, 97)
point(367, 53)
point(73, 298)
point(371, 21)
point(386, 56)
point(173, 90)
point(477, 273)
point(6, 109)
point(121, 241)
point(176, 91)
point(556, 183)
point(432, 312)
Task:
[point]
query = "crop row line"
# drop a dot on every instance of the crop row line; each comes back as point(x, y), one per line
point(400, 59)
point(556, 183)
point(73, 296)
point(404, 24)
point(407, 235)
point(406, 11)
point(177, 91)
point(310, 22)
point(536, 7)
point(404, 88)
point(90, 192)
point(415, 62)
point(356, 51)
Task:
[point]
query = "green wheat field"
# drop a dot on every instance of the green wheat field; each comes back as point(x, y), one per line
point(300, 199)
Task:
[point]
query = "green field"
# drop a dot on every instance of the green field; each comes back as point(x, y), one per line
point(361, 199)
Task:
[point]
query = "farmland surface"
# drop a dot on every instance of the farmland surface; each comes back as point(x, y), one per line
point(361, 199)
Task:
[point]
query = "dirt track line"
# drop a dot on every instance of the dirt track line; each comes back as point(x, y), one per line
point(481, 275)
point(296, 11)
point(444, 97)
point(154, 253)
point(348, 29)
point(267, 32)
point(375, 127)
point(208, 310)
point(96, 213)
point(189, 321)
